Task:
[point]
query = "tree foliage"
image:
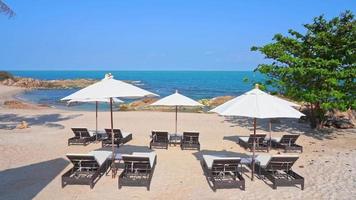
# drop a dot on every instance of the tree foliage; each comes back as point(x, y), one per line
point(317, 67)
point(6, 9)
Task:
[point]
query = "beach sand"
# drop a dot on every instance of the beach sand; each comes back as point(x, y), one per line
point(33, 160)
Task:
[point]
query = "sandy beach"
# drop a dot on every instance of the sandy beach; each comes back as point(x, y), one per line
point(33, 159)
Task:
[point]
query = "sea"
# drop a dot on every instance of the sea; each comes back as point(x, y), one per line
point(194, 84)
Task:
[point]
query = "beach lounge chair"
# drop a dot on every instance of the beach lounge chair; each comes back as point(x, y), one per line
point(287, 142)
point(278, 170)
point(247, 142)
point(119, 137)
point(159, 139)
point(138, 169)
point(82, 137)
point(190, 140)
point(87, 168)
point(223, 171)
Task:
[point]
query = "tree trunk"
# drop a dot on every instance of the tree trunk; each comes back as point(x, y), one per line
point(313, 121)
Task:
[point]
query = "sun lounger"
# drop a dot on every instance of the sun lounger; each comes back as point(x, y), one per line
point(82, 137)
point(190, 140)
point(138, 169)
point(87, 168)
point(119, 137)
point(159, 140)
point(287, 142)
point(278, 170)
point(223, 171)
point(247, 142)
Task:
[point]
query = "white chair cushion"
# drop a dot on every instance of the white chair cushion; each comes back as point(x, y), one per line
point(209, 159)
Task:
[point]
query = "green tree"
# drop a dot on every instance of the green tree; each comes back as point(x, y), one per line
point(317, 67)
point(6, 9)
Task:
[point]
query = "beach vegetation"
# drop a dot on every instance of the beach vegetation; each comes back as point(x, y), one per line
point(5, 75)
point(5, 9)
point(317, 66)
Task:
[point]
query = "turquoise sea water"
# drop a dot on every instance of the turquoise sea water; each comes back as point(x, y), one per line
point(194, 84)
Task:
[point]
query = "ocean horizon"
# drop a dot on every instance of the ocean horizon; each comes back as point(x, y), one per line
point(195, 84)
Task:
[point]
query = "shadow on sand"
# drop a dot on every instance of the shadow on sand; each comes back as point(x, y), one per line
point(291, 126)
point(9, 121)
point(27, 181)
point(127, 149)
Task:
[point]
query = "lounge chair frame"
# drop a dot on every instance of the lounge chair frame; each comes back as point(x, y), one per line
point(224, 174)
point(137, 171)
point(82, 137)
point(287, 143)
point(279, 172)
point(118, 138)
point(190, 140)
point(159, 140)
point(261, 145)
point(86, 171)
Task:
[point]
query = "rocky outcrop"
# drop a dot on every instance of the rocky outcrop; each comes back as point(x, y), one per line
point(215, 101)
point(14, 104)
point(31, 83)
point(341, 120)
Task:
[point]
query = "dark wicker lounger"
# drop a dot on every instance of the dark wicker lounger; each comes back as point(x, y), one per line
point(119, 137)
point(278, 170)
point(190, 140)
point(287, 142)
point(138, 170)
point(87, 169)
point(81, 137)
point(223, 172)
point(159, 140)
point(247, 142)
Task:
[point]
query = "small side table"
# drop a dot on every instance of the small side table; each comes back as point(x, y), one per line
point(175, 139)
point(248, 161)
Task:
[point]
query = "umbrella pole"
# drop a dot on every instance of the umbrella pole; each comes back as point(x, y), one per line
point(176, 118)
point(112, 138)
point(270, 134)
point(96, 119)
point(253, 149)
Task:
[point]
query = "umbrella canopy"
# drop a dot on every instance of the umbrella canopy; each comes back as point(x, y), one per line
point(109, 88)
point(257, 104)
point(104, 100)
point(176, 100)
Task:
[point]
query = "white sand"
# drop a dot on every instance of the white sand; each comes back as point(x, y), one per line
point(33, 160)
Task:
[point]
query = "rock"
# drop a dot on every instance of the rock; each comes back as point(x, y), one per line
point(22, 125)
point(343, 124)
point(8, 82)
point(215, 101)
point(15, 104)
point(58, 84)
point(301, 166)
point(143, 102)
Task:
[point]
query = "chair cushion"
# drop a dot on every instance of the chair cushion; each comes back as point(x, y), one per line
point(101, 156)
point(244, 138)
point(151, 156)
point(209, 159)
point(125, 134)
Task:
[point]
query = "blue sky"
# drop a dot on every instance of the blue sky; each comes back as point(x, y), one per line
point(149, 34)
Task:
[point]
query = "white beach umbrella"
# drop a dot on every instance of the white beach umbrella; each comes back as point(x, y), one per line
point(109, 88)
point(96, 101)
point(176, 100)
point(257, 104)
